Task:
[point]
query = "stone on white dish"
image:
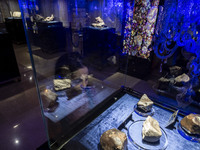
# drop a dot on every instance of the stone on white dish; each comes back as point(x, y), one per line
point(151, 131)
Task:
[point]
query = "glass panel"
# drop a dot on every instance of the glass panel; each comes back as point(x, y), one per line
point(76, 49)
point(162, 41)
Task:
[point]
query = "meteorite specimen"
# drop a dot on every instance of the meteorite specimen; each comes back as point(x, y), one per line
point(175, 71)
point(163, 83)
point(181, 80)
point(61, 84)
point(113, 139)
point(151, 131)
point(191, 123)
point(145, 104)
point(48, 98)
point(98, 22)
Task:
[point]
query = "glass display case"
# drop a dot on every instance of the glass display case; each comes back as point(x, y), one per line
point(116, 74)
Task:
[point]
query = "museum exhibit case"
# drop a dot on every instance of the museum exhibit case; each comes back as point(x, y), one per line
point(116, 74)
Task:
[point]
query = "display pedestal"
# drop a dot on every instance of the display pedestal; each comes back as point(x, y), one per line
point(98, 45)
point(15, 28)
point(50, 36)
point(8, 63)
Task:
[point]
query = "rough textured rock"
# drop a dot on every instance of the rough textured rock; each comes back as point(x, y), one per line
point(182, 79)
point(61, 84)
point(145, 103)
point(191, 123)
point(113, 139)
point(151, 131)
point(98, 22)
point(48, 98)
point(175, 71)
point(163, 83)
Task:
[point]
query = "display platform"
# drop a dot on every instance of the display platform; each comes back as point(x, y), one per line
point(120, 115)
point(72, 101)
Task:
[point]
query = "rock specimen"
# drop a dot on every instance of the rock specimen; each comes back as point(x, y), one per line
point(151, 131)
point(113, 139)
point(163, 83)
point(48, 98)
point(175, 71)
point(98, 22)
point(145, 103)
point(191, 123)
point(181, 80)
point(61, 84)
point(50, 18)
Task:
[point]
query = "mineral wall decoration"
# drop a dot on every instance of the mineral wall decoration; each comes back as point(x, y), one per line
point(140, 24)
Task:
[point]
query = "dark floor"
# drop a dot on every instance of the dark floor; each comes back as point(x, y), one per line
point(21, 122)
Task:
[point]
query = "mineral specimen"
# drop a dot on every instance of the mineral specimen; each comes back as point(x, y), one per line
point(191, 123)
point(151, 131)
point(163, 83)
point(98, 22)
point(182, 79)
point(61, 84)
point(48, 98)
point(145, 103)
point(51, 18)
point(49, 95)
point(113, 139)
point(175, 71)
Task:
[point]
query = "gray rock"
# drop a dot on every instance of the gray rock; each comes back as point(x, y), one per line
point(151, 131)
point(61, 84)
point(113, 139)
point(145, 103)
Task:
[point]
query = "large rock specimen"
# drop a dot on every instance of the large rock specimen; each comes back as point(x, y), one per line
point(113, 139)
point(61, 84)
point(151, 131)
point(182, 79)
point(175, 71)
point(191, 123)
point(145, 103)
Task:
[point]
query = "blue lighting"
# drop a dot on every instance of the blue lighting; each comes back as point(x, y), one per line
point(179, 26)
